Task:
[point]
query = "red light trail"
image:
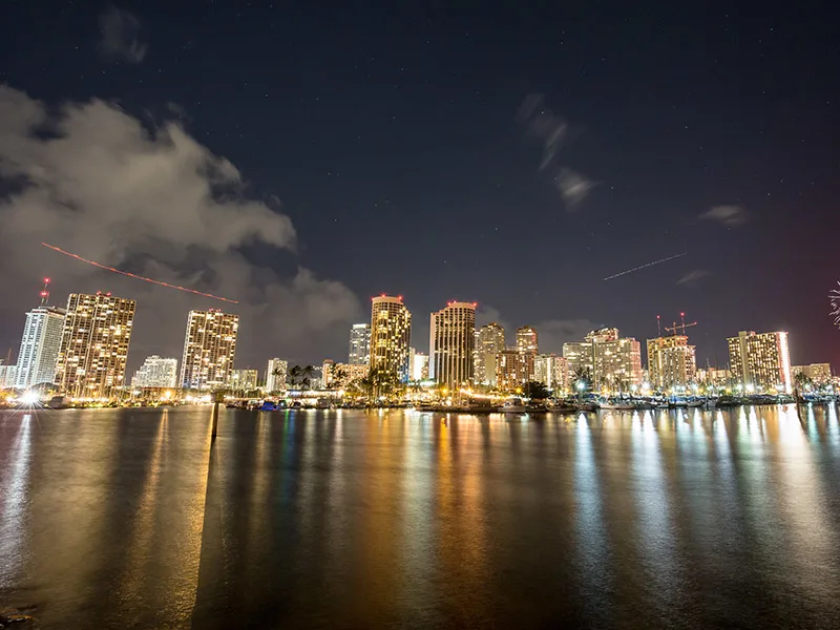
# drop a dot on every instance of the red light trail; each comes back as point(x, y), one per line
point(135, 276)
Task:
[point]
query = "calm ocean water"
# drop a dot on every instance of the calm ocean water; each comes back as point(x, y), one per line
point(348, 519)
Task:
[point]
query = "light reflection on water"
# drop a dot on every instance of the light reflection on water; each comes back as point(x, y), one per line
point(685, 519)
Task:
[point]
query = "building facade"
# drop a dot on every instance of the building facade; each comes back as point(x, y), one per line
point(275, 375)
point(552, 371)
point(156, 372)
point(761, 362)
point(390, 336)
point(359, 345)
point(338, 376)
point(672, 363)
point(614, 363)
point(94, 345)
point(39, 347)
point(209, 349)
point(8, 374)
point(511, 371)
point(244, 380)
point(419, 365)
point(489, 342)
point(452, 345)
point(818, 373)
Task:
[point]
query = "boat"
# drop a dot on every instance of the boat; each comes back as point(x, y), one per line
point(616, 405)
point(586, 406)
point(513, 406)
point(561, 407)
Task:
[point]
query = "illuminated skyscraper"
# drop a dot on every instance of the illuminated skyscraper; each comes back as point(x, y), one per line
point(452, 344)
point(511, 371)
point(275, 377)
point(761, 362)
point(94, 345)
point(390, 336)
point(156, 372)
point(39, 347)
point(359, 345)
point(526, 340)
point(489, 342)
point(672, 362)
point(614, 363)
point(209, 348)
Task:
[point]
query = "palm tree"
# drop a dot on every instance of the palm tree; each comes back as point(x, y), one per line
point(582, 380)
point(300, 377)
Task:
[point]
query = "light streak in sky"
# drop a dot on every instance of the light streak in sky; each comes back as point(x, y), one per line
point(834, 297)
point(650, 264)
point(135, 276)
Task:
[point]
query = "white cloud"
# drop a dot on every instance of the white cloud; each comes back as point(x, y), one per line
point(693, 277)
point(96, 182)
point(573, 186)
point(553, 131)
point(120, 31)
point(728, 215)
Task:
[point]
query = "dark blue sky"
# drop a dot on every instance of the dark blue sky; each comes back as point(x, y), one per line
point(389, 133)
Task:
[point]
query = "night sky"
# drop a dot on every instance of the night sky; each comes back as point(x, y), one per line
point(499, 153)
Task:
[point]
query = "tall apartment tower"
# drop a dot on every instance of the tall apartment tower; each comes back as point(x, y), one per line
point(452, 344)
point(390, 336)
point(94, 345)
point(209, 348)
point(671, 362)
point(761, 361)
point(39, 347)
point(359, 345)
point(489, 344)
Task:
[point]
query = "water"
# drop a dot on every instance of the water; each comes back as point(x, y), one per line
point(347, 519)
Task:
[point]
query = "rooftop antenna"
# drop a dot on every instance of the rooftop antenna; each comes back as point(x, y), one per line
point(45, 292)
point(658, 327)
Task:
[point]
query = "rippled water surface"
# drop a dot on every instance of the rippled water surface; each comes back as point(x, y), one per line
point(348, 519)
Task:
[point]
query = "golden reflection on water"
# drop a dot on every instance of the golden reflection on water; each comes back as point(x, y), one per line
point(388, 519)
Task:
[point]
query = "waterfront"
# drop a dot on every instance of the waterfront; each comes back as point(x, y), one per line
point(320, 519)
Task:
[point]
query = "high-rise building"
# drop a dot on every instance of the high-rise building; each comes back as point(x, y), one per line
point(94, 345)
point(526, 340)
point(418, 365)
point(761, 362)
point(156, 372)
point(359, 345)
point(209, 348)
point(452, 344)
point(489, 342)
point(511, 370)
point(390, 336)
point(672, 363)
point(552, 371)
point(578, 355)
point(275, 375)
point(614, 363)
point(39, 347)
point(243, 380)
point(527, 346)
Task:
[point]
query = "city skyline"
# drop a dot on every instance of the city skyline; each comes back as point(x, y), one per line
point(537, 142)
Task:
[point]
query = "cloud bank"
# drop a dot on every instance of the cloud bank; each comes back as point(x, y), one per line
point(93, 180)
point(120, 36)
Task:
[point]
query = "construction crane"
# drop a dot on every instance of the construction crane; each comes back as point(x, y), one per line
point(682, 326)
